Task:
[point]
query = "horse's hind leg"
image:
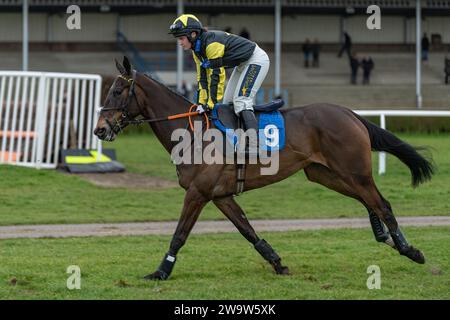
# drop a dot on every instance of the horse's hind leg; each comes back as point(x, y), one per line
point(375, 201)
point(363, 189)
point(321, 174)
point(236, 215)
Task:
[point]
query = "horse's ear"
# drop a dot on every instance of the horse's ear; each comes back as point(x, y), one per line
point(127, 66)
point(120, 67)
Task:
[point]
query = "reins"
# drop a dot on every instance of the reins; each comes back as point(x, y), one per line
point(189, 115)
point(125, 115)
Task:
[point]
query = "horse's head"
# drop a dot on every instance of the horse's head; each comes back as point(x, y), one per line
point(121, 104)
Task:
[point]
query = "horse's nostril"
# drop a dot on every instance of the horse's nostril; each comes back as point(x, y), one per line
point(99, 131)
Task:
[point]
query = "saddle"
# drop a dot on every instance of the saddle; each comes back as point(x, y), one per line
point(225, 118)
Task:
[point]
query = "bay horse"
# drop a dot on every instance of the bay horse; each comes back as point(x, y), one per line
point(330, 143)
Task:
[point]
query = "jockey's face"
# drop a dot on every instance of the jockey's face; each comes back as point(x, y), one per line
point(184, 42)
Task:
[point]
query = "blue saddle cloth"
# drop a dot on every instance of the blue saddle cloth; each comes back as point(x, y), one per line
point(270, 124)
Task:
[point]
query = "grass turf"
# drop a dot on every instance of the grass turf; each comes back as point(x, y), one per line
point(29, 196)
point(327, 264)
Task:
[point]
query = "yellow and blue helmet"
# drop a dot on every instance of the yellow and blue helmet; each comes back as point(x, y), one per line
point(184, 25)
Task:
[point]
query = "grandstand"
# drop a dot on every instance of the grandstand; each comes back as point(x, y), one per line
point(139, 29)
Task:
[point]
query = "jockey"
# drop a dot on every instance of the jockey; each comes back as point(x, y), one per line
point(213, 51)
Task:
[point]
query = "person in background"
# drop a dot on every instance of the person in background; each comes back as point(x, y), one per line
point(367, 66)
point(447, 68)
point(354, 65)
point(186, 90)
point(425, 47)
point(245, 34)
point(306, 48)
point(315, 48)
point(346, 46)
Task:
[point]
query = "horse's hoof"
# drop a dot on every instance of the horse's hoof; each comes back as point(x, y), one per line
point(157, 275)
point(414, 254)
point(282, 270)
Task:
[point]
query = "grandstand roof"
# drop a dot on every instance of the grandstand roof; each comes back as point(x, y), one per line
point(431, 7)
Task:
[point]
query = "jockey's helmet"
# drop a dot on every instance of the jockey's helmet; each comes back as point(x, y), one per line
point(184, 25)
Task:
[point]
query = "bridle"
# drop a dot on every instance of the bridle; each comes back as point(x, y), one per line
point(118, 126)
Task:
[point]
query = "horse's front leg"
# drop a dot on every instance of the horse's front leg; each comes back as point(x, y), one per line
point(193, 205)
point(233, 211)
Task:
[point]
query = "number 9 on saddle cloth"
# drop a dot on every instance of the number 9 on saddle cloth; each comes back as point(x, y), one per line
point(270, 124)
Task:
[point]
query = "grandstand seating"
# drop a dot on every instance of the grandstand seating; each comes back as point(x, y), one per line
point(392, 83)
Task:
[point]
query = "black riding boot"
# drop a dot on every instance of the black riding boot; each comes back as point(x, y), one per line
point(250, 122)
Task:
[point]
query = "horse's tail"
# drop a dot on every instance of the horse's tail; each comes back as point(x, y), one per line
point(382, 140)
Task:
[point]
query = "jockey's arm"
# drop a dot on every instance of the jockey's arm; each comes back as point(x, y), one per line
point(216, 75)
point(202, 80)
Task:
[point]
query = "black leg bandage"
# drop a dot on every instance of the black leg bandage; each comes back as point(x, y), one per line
point(399, 240)
point(377, 227)
point(167, 265)
point(266, 251)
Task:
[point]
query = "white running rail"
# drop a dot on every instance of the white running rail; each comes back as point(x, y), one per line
point(42, 112)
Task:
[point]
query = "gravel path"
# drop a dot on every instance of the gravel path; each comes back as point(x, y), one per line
point(167, 228)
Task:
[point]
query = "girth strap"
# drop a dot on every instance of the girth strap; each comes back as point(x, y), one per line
point(240, 169)
point(240, 178)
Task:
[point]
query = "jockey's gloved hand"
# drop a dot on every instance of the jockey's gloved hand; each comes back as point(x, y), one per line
point(205, 64)
point(202, 108)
